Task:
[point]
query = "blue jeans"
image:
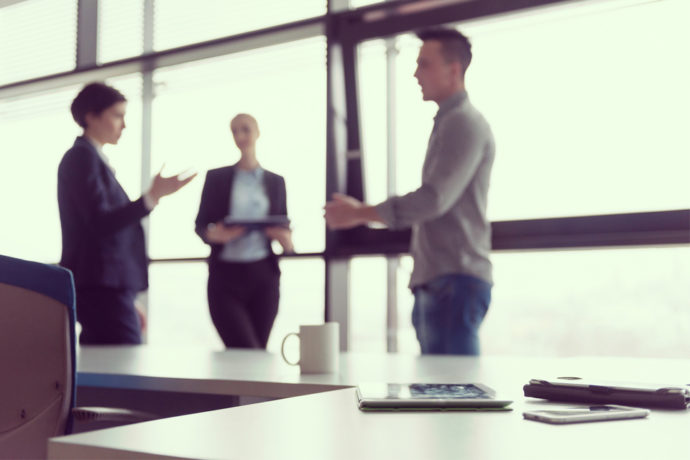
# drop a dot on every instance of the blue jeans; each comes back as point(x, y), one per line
point(447, 313)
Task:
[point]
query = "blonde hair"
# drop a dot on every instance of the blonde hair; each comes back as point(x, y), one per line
point(245, 115)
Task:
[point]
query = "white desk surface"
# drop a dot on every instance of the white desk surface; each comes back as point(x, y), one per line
point(194, 370)
point(328, 425)
point(262, 374)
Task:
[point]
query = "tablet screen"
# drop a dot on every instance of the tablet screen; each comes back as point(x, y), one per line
point(423, 391)
point(268, 221)
point(428, 396)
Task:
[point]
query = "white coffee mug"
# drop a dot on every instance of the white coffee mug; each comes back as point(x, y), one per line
point(319, 347)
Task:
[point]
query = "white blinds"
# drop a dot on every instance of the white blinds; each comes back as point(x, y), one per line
point(37, 37)
point(120, 29)
point(181, 22)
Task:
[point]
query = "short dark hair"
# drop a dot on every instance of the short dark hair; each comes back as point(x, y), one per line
point(454, 45)
point(94, 98)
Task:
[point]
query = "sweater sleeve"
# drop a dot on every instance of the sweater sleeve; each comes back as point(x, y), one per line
point(451, 162)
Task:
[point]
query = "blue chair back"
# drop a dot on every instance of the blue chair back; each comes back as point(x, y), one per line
point(37, 356)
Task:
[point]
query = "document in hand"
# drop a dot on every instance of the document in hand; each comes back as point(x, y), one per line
point(428, 396)
point(576, 389)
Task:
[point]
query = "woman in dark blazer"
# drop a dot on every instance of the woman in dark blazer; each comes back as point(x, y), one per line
point(244, 278)
point(102, 237)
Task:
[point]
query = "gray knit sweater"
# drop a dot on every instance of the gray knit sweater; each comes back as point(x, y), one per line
point(450, 231)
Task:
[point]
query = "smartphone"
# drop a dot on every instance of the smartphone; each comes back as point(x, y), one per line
point(585, 414)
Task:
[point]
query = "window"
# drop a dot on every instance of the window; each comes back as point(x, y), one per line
point(38, 38)
point(178, 308)
point(302, 287)
point(120, 29)
point(284, 88)
point(616, 302)
point(179, 22)
point(34, 134)
point(371, 84)
point(362, 3)
point(367, 304)
point(585, 122)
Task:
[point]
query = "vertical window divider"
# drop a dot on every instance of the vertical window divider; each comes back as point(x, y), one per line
point(87, 34)
point(147, 95)
point(392, 261)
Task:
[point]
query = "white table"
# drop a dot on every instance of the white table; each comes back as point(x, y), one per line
point(194, 370)
point(328, 425)
point(261, 374)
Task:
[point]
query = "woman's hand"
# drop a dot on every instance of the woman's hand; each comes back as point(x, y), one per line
point(220, 234)
point(163, 186)
point(139, 309)
point(283, 236)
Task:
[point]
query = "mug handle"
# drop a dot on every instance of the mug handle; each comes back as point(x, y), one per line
point(282, 349)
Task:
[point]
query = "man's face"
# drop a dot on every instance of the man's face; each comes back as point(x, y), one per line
point(438, 78)
point(107, 127)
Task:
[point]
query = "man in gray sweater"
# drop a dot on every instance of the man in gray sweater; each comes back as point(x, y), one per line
point(451, 236)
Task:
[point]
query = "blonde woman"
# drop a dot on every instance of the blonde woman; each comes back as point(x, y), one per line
point(244, 278)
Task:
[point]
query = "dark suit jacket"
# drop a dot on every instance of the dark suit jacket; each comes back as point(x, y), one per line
point(215, 202)
point(102, 237)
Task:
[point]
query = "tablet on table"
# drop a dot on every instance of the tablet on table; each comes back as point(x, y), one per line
point(428, 396)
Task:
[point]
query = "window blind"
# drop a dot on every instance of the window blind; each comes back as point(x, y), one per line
point(37, 37)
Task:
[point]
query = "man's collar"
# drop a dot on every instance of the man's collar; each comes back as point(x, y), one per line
point(453, 101)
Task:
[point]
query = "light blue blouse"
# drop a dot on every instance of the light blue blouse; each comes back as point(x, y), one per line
point(248, 201)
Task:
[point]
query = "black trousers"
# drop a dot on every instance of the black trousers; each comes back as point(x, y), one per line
point(243, 301)
point(107, 316)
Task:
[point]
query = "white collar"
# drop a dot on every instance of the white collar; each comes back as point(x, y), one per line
point(99, 149)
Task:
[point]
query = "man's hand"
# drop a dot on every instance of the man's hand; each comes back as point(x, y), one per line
point(220, 234)
point(343, 212)
point(163, 186)
point(283, 236)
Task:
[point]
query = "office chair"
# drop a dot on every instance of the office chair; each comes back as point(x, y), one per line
point(37, 359)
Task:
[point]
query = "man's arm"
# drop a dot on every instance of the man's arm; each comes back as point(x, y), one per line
point(347, 212)
point(450, 167)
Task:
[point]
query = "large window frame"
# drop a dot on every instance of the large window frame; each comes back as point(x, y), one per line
point(345, 164)
point(344, 30)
